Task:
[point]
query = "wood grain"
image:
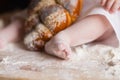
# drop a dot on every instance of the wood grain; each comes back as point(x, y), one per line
point(88, 63)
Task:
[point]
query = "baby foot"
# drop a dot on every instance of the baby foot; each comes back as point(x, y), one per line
point(59, 48)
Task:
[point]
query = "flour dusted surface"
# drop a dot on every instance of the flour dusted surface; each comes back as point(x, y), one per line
point(85, 64)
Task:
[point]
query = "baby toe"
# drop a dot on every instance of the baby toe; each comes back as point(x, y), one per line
point(61, 54)
point(64, 51)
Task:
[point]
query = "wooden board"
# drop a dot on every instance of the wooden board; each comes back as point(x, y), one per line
point(88, 63)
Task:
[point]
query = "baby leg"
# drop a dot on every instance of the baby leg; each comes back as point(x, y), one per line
point(84, 31)
point(59, 46)
point(10, 34)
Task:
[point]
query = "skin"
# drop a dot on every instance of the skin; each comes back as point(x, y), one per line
point(60, 45)
point(111, 5)
point(82, 32)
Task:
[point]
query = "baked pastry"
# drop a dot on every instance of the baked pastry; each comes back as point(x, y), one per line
point(48, 17)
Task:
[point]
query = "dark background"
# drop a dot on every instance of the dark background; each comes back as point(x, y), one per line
point(10, 5)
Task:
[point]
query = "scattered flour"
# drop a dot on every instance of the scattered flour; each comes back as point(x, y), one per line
point(85, 63)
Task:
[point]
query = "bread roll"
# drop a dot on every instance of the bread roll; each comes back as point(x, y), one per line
point(47, 18)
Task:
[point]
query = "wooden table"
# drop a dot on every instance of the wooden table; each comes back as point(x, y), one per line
point(87, 63)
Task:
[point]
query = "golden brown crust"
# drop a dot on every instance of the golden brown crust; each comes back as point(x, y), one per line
point(48, 17)
point(55, 17)
point(31, 22)
point(73, 6)
point(37, 38)
point(37, 5)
